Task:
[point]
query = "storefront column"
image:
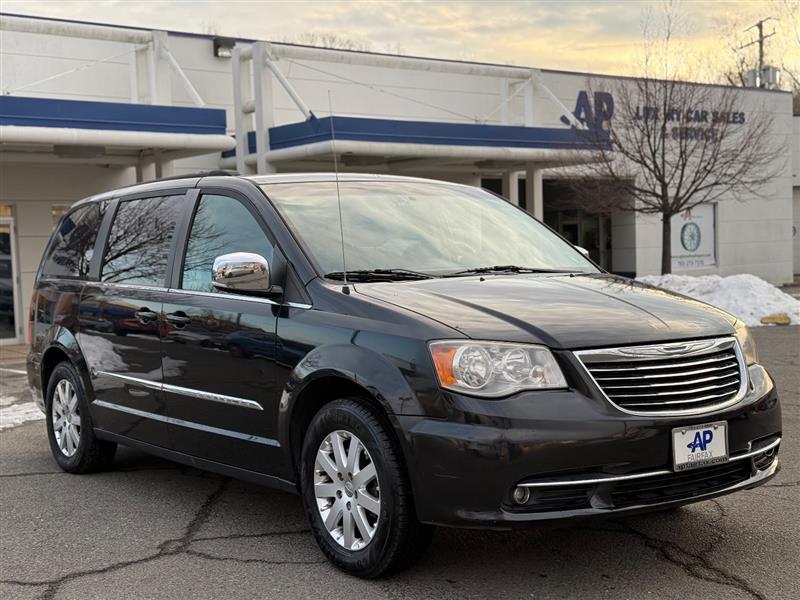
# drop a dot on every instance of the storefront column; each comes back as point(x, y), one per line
point(533, 191)
point(510, 187)
point(163, 167)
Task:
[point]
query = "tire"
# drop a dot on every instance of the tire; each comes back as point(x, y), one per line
point(69, 426)
point(398, 538)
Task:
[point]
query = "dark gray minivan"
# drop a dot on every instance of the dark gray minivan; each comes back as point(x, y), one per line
point(401, 353)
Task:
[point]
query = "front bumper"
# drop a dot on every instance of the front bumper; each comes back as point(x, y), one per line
point(577, 455)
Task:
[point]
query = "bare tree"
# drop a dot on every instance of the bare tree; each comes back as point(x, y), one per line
point(671, 145)
point(327, 39)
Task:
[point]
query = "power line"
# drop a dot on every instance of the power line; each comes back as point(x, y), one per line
point(82, 67)
point(383, 90)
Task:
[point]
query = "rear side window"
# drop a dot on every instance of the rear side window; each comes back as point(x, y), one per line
point(139, 242)
point(73, 243)
point(221, 225)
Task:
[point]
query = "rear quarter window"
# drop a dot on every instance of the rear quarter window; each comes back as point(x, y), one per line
point(72, 245)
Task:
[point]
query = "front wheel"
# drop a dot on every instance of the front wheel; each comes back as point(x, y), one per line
point(356, 492)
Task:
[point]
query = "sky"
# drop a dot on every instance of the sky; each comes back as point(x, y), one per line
point(596, 36)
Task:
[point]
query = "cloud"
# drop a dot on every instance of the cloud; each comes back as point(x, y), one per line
point(601, 36)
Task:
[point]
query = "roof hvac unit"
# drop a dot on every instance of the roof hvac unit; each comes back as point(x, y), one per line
point(770, 77)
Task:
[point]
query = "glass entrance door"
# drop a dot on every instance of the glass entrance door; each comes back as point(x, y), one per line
point(8, 300)
point(588, 230)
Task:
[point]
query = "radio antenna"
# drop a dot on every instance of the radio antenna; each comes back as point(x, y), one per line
point(345, 287)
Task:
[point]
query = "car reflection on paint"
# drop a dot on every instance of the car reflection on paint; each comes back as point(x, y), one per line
point(250, 344)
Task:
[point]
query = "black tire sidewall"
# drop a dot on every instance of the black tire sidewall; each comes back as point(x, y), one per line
point(66, 371)
point(347, 415)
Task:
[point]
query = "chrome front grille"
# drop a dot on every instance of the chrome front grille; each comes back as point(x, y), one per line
point(678, 378)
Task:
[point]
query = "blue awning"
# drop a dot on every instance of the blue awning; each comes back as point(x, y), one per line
point(423, 132)
point(79, 114)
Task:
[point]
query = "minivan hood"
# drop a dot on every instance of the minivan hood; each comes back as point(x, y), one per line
point(561, 311)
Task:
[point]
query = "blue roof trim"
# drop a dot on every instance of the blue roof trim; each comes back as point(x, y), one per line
point(78, 114)
point(420, 132)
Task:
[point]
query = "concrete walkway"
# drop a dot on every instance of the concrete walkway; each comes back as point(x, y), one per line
point(13, 355)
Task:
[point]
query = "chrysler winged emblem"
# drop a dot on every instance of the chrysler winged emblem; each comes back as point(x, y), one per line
point(668, 349)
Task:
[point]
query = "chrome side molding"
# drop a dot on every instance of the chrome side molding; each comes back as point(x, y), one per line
point(190, 424)
point(240, 297)
point(153, 288)
point(183, 391)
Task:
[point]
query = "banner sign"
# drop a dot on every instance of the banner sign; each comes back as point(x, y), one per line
point(694, 238)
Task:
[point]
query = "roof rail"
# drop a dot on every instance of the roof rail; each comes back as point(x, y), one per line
point(209, 173)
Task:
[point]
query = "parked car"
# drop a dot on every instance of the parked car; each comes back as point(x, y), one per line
point(410, 353)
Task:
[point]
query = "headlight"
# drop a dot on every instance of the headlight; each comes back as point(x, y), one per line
point(494, 369)
point(746, 343)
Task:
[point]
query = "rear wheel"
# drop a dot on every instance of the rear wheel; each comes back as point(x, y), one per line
point(69, 426)
point(356, 492)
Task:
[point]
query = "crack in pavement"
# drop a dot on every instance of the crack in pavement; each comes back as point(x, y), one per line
point(31, 474)
point(245, 561)
point(695, 565)
point(130, 470)
point(244, 536)
point(171, 547)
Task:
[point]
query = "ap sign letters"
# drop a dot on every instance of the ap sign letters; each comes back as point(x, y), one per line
point(593, 115)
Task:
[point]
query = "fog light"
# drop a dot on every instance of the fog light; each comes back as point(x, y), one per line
point(764, 460)
point(521, 495)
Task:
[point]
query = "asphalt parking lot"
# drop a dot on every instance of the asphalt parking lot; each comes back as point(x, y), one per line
point(153, 529)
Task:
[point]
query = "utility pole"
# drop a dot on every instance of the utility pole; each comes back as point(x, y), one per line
point(760, 42)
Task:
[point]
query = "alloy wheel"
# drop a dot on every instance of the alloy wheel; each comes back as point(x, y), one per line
point(66, 418)
point(347, 490)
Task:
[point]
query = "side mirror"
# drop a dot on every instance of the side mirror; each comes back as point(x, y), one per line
point(582, 250)
point(242, 272)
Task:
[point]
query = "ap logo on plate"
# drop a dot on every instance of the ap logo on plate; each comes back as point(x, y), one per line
point(701, 440)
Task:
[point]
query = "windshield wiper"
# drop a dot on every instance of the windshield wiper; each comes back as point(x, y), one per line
point(505, 269)
point(378, 275)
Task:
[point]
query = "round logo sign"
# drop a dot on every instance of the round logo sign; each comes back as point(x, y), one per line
point(690, 237)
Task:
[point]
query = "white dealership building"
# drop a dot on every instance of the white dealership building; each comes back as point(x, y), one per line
point(87, 107)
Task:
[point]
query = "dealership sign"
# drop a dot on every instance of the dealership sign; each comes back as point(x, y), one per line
point(694, 238)
point(689, 123)
point(592, 112)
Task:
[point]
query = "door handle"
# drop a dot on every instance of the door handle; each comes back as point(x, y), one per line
point(145, 315)
point(179, 319)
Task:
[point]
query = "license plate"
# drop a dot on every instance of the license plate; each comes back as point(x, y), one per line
point(700, 445)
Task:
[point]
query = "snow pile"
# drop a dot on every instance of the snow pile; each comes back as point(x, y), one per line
point(746, 296)
point(17, 414)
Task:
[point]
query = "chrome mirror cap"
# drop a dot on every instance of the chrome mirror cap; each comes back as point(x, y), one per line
point(243, 272)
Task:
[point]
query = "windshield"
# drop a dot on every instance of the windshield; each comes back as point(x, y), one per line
point(425, 227)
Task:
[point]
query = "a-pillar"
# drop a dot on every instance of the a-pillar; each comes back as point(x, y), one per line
point(510, 187)
point(534, 195)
